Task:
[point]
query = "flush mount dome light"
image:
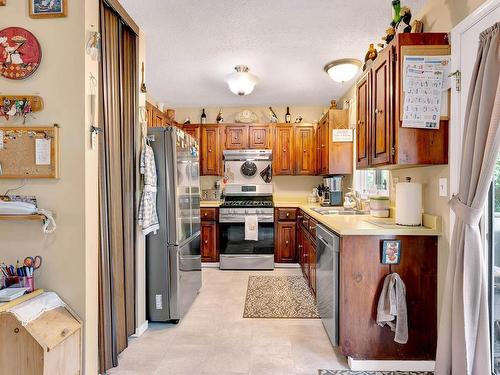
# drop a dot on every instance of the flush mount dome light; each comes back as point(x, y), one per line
point(242, 82)
point(342, 70)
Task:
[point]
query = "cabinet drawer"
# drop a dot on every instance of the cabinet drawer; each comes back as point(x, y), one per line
point(312, 228)
point(305, 221)
point(285, 214)
point(208, 214)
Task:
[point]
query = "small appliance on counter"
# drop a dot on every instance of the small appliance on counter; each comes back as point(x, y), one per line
point(334, 196)
point(380, 206)
point(409, 203)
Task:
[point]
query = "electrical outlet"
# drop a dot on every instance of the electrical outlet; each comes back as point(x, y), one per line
point(443, 187)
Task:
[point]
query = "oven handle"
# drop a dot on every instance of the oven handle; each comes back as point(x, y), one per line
point(241, 219)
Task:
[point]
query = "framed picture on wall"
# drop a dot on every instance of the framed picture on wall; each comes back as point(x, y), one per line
point(48, 8)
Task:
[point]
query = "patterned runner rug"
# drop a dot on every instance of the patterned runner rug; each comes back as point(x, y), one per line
point(279, 297)
point(347, 372)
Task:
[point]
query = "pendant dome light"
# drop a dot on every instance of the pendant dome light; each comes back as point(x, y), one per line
point(241, 82)
point(342, 70)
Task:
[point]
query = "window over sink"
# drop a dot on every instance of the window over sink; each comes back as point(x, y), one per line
point(372, 182)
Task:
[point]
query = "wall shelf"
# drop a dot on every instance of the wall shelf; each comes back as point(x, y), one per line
point(22, 217)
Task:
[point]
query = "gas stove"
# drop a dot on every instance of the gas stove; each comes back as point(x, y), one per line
point(247, 203)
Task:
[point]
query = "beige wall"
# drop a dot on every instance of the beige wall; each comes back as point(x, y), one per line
point(70, 254)
point(310, 114)
point(438, 16)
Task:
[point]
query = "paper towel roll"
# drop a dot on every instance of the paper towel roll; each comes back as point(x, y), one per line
point(408, 203)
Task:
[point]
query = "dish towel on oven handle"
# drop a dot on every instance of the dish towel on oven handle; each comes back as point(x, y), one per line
point(251, 228)
point(391, 309)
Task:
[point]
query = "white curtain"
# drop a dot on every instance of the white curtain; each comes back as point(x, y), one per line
point(464, 337)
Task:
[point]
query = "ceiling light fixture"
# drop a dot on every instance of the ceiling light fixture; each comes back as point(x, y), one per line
point(242, 82)
point(343, 70)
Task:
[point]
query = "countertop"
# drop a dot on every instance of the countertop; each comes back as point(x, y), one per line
point(366, 225)
point(358, 225)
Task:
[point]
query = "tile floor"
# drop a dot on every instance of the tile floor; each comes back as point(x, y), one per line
point(214, 338)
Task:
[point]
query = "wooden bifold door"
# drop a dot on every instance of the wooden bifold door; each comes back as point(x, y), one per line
point(117, 92)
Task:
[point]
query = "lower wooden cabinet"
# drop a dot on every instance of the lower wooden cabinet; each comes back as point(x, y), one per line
point(209, 237)
point(306, 247)
point(285, 249)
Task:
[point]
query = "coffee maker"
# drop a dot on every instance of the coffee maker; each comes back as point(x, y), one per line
point(334, 195)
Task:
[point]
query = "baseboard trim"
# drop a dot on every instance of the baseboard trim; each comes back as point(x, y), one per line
point(141, 329)
point(374, 365)
point(286, 265)
point(210, 265)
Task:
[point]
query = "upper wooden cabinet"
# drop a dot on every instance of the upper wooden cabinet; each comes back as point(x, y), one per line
point(193, 131)
point(283, 150)
point(236, 137)
point(362, 114)
point(210, 150)
point(305, 150)
point(333, 157)
point(155, 117)
point(259, 136)
point(381, 138)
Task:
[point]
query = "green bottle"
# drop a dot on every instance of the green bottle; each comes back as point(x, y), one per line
point(396, 8)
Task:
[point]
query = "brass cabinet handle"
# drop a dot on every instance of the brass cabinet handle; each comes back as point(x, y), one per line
point(209, 150)
point(286, 242)
point(300, 217)
point(304, 221)
point(379, 111)
point(287, 214)
point(312, 227)
point(284, 150)
point(206, 242)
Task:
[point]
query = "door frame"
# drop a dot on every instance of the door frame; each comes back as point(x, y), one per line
point(456, 127)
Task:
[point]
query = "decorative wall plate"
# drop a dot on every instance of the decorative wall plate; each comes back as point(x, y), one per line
point(246, 117)
point(20, 53)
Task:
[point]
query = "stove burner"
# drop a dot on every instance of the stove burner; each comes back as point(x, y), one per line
point(247, 203)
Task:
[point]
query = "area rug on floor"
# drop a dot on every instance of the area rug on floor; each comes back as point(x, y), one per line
point(347, 372)
point(279, 297)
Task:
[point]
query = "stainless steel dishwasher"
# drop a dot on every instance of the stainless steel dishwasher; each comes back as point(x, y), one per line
point(327, 281)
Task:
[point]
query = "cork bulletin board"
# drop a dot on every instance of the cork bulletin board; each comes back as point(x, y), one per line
point(29, 152)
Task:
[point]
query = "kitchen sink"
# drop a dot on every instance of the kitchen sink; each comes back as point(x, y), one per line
point(337, 211)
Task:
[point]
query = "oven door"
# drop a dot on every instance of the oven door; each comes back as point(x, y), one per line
point(232, 239)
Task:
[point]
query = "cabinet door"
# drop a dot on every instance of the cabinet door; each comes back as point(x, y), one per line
point(381, 127)
point(210, 150)
point(362, 126)
point(322, 139)
point(312, 266)
point(193, 131)
point(300, 242)
point(307, 248)
point(285, 242)
point(258, 137)
point(236, 137)
point(305, 148)
point(209, 242)
point(283, 150)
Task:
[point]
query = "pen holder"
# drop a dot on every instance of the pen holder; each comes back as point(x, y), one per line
point(27, 282)
point(8, 281)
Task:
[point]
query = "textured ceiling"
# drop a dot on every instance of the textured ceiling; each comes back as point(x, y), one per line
point(193, 44)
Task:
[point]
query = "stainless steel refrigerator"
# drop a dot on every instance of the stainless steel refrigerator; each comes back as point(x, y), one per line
point(173, 255)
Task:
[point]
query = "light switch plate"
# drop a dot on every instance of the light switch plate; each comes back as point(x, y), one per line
point(443, 187)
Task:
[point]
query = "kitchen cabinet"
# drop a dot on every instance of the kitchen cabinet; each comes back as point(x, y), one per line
point(361, 278)
point(155, 117)
point(210, 150)
point(334, 157)
point(236, 137)
point(362, 115)
point(285, 249)
point(193, 130)
point(259, 136)
point(306, 241)
point(305, 150)
point(209, 235)
point(381, 139)
point(283, 150)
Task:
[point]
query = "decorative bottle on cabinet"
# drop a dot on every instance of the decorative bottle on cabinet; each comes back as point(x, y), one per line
point(219, 118)
point(288, 116)
point(203, 117)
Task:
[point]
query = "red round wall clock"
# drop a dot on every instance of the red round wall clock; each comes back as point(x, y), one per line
point(20, 53)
